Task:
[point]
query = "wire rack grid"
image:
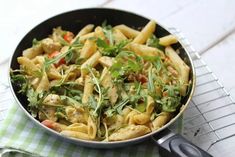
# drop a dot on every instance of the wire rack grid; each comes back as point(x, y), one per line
point(210, 116)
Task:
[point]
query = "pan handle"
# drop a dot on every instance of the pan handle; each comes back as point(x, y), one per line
point(175, 145)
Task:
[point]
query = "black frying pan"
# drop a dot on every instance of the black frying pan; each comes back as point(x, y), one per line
point(171, 144)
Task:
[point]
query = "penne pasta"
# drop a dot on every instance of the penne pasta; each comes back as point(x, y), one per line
point(91, 62)
point(75, 134)
point(83, 38)
point(88, 49)
point(29, 67)
point(78, 127)
point(141, 118)
point(43, 84)
point(107, 83)
point(127, 31)
point(92, 129)
point(106, 61)
point(145, 33)
point(85, 30)
point(118, 36)
point(183, 69)
point(33, 51)
point(168, 40)
point(144, 50)
point(99, 33)
point(150, 105)
point(88, 89)
point(129, 132)
point(49, 46)
point(161, 120)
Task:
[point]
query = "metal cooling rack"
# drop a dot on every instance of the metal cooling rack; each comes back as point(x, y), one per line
point(210, 117)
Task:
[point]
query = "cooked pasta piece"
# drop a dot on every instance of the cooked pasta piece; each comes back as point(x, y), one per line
point(144, 50)
point(145, 33)
point(88, 49)
point(129, 119)
point(83, 38)
point(168, 40)
point(141, 118)
point(78, 127)
point(127, 31)
point(118, 36)
point(75, 134)
point(107, 83)
point(29, 67)
point(150, 105)
point(88, 89)
point(106, 61)
point(43, 84)
point(183, 69)
point(49, 46)
point(99, 33)
point(161, 120)
point(92, 129)
point(91, 62)
point(85, 30)
point(33, 51)
point(128, 132)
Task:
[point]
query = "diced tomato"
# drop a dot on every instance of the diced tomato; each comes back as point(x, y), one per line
point(68, 36)
point(53, 55)
point(165, 94)
point(142, 78)
point(48, 123)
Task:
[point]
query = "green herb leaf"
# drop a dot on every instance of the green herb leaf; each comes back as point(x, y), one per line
point(153, 41)
point(117, 108)
point(151, 87)
point(20, 81)
point(35, 100)
point(60, 113)
point(70, 101)
point(126, 63)
point(141, 107)
point(35, 42)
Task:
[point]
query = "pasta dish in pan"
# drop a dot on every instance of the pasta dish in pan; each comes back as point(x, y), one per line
point(107, 83)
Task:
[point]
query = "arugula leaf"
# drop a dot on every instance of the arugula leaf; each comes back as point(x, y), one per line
point(153, 41)
point(60, 113)
point(151, 87)
point(111, 50)
point(126, 63)
point(48, 61)
point(101, 43)
point(171, 101)
point(69, 57)
point(20, 81)
point(100, 99)
point(117, 108)
point(170, 104)
point(35, 100)
point(77, 43)
point(141, 107)
point(70, 101)
point(35, 42)
point(108, 32)
point(156, 61)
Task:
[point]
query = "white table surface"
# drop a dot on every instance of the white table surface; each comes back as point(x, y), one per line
point(209, 26)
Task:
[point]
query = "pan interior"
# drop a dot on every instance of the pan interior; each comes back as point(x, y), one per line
point(74, 21)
